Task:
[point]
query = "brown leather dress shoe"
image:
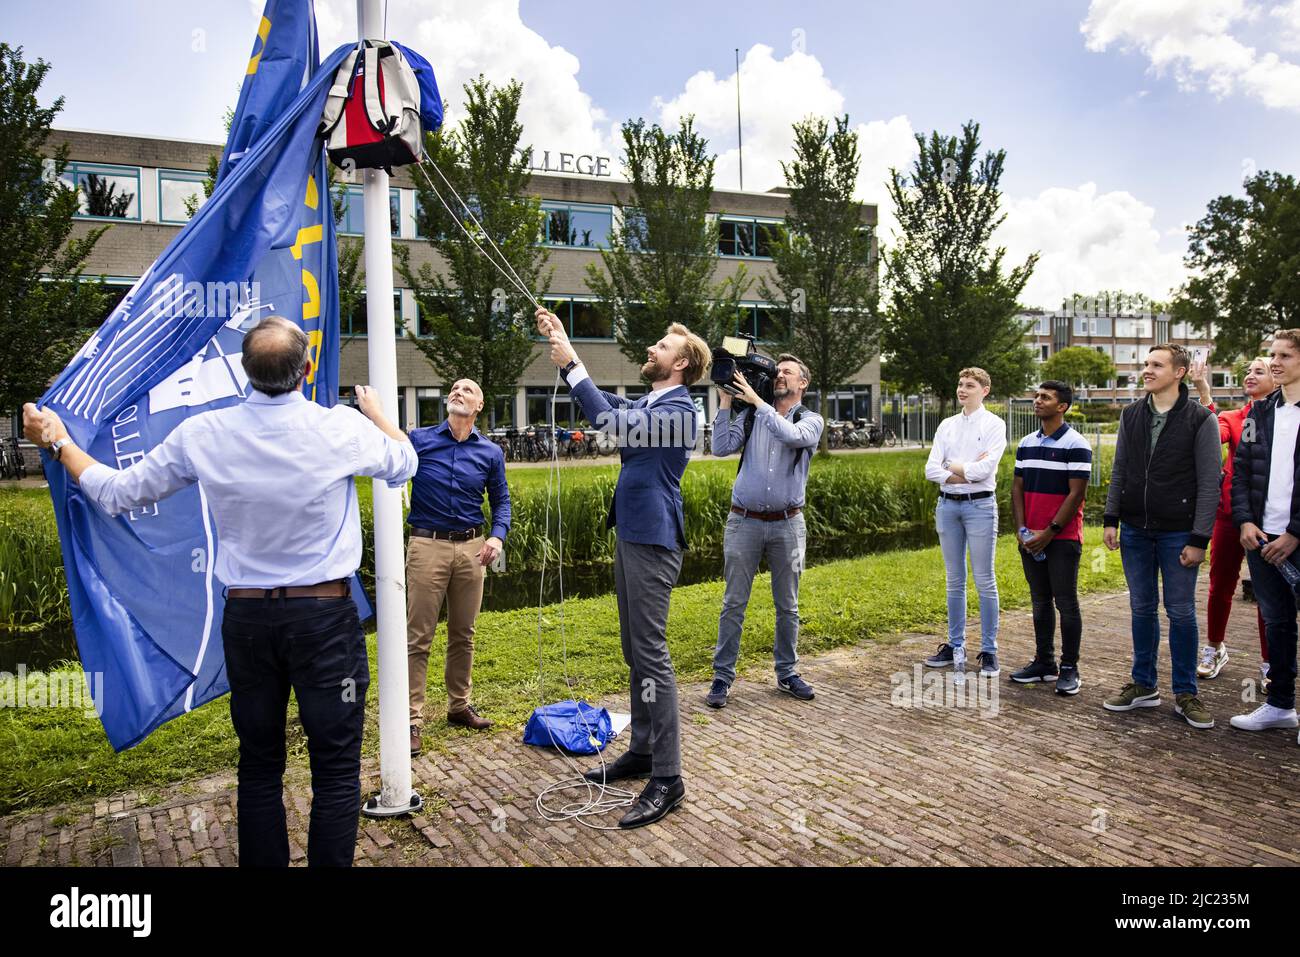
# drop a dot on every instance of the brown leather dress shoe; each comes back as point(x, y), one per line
point(416, 743)
point(469, 718)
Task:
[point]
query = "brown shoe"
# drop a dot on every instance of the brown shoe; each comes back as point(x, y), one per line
point(416, 743)
point(469, 718)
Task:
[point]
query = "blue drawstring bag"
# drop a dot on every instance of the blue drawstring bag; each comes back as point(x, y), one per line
point(572, 726)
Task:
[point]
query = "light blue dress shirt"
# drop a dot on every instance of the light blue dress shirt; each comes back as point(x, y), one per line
point(774, 473)
point(277, 476)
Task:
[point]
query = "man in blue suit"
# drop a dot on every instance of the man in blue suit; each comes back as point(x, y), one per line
point(655, 435)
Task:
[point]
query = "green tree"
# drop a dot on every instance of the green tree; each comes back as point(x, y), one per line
point(46, 311)
point(825, 284)
point(1080, 366)
point(660, 265)
point(478, 325)
point(1245, 258)
point(951, 304)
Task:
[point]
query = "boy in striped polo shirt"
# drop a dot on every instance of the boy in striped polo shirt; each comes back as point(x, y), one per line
point(1052, 470)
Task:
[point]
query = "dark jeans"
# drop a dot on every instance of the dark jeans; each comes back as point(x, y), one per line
point(1055, 581)
point(1152, 567)
point(1277, 603)
point(316, 647)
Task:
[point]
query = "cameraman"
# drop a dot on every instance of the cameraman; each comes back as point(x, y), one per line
point(775, 444)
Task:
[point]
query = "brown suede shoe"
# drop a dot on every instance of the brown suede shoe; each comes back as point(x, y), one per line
point(469, 718)
point(416, 743)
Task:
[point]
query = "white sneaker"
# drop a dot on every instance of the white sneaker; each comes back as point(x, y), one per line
point(959, 663)
point(1266, 716)
point(1212, 661)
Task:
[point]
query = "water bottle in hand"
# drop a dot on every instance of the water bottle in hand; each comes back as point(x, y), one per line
point(1026, 535)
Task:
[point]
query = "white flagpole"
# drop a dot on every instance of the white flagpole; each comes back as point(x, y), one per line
point(396, 794)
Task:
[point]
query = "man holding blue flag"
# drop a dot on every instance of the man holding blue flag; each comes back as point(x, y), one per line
point(277, 472)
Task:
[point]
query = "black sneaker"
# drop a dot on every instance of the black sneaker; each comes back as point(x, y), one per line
point(1068, 682)
point(717, 697)
point(796, 686)
point(988, 661)
point(1035, 671)
point(941, 658)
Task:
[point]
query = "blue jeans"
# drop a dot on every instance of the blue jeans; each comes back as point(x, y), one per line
point(969, 526)
point(745, 541)
point(1277, 603)
point(1147, 555)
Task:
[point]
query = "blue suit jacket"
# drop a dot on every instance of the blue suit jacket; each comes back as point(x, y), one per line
point(655, 444)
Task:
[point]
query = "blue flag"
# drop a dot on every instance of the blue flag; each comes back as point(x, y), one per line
point(146, 607)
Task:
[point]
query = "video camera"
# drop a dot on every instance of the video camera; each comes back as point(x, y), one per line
point(737, 353)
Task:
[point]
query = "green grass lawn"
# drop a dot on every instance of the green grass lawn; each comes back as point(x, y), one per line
point(53, 756)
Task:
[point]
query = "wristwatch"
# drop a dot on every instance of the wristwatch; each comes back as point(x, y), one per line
point(57, 448)
point(573, 364)
point(1056, 529)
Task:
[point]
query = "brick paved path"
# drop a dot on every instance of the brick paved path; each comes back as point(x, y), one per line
point(848, 779)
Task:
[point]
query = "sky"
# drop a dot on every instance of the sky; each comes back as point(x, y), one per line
point(1121, 119)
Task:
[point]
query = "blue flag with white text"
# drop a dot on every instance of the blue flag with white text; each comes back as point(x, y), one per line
point(146, 607)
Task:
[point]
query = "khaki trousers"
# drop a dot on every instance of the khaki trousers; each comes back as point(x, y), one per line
point(438, 569)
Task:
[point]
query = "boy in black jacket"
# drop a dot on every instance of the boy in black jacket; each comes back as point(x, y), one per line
point(1164, 488)
point(1266, 507)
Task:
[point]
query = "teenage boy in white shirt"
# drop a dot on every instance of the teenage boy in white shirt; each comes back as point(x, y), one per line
point(964, 464)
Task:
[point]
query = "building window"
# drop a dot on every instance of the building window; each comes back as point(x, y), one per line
point(1222, 380)
point(583, 318)
point(353, 222)
point(845, 404)
point(1132, 329)
point(428, 407)
point(356, 324)
point(759, 320)
point(571, 224)
point(1044, 350)
point(746, 237)
point(1104, 350)
point(175, 188)
point(1126, 354)
point(104, 192)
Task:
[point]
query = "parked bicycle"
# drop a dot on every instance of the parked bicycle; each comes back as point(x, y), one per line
point(12, 465)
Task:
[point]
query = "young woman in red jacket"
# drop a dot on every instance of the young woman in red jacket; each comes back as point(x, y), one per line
point(1225, 546)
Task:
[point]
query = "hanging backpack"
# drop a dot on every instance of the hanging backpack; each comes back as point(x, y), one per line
point(372, 115)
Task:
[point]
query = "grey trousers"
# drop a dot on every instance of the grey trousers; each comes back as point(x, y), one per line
point(644, 576)
point(744, 543)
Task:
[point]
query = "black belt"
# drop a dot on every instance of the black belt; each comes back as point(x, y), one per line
point(339, 588)
point(965, 497)
point(785, 513)
point(461, 536)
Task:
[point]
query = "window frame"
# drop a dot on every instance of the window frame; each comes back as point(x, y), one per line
point(549, 206)
point(393, 194)
point(106, 169)
point(184, 175)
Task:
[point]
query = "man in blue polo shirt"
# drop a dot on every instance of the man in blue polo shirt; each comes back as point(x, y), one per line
point(447, 553)
point(1053, 466)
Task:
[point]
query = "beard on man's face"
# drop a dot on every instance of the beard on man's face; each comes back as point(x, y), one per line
point(654, 371)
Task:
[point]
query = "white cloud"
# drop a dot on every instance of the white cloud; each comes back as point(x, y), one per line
point(1088, 241)
point(1198, 41)
point(464, 39)
point(774, 95)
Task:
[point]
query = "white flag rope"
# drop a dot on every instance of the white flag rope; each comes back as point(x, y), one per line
point(601, 798)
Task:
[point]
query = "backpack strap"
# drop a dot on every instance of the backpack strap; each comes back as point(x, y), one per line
point(372, 100)
point(799, 410)
point(744, 444)
point(338, 94)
